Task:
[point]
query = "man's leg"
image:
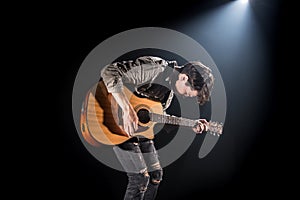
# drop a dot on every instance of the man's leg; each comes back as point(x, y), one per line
point(154, 169)
point(131, 158)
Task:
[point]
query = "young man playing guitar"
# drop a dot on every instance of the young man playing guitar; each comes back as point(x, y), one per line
point(158, 80)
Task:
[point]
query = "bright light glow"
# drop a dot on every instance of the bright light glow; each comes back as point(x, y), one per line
point(244, 1)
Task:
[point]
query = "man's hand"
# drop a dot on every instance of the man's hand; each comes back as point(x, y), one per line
point(130, 118)
point(201, 126)
point(130, 121)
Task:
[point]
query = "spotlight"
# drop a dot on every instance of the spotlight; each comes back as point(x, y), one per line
point(244, 1)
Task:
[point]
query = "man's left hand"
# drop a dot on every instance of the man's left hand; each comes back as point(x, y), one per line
point(201, 126)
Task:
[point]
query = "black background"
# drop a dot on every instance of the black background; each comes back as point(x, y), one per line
point(232, 170)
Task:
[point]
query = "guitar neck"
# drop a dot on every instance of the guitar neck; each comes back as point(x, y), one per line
point(168, 119)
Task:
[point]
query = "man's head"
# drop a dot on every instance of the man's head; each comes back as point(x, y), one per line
point(194, 80)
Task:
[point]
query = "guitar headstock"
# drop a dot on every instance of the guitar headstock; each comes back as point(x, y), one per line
point(215, 128)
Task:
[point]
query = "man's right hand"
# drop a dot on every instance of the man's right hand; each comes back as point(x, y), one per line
point(130, 118)
point(130, 121)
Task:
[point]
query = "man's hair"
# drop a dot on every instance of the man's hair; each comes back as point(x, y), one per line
point(200, 78)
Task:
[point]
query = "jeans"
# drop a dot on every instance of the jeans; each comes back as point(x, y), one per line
point(139, 159)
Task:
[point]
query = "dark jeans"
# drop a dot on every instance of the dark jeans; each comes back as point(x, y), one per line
point(140, 161)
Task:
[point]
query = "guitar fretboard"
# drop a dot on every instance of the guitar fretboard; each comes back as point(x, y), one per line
point(169, 119)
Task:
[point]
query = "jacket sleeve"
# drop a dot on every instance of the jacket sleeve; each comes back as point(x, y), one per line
point(143, 70)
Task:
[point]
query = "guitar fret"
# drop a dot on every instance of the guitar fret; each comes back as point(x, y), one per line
point(171, 120)
point(167, 119)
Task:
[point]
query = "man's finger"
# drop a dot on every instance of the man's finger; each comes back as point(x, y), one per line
point(135, 125)
point(202, 127)
point(130, 129)
point(127, 130)
point(205, 127)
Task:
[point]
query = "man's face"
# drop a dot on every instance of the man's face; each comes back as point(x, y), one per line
point(183, 87)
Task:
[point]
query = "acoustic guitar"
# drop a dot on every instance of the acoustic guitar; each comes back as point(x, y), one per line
point(100, 117)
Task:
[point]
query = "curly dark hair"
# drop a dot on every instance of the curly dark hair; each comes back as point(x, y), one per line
point(200, 78)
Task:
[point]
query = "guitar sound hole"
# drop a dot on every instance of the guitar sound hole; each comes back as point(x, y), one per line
point(143, 115)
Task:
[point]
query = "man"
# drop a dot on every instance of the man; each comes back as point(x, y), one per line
point(158, 80)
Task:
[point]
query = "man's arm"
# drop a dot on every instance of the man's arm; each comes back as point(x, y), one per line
point(143, 70)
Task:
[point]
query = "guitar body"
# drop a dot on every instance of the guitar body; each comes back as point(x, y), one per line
point(100, 116)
